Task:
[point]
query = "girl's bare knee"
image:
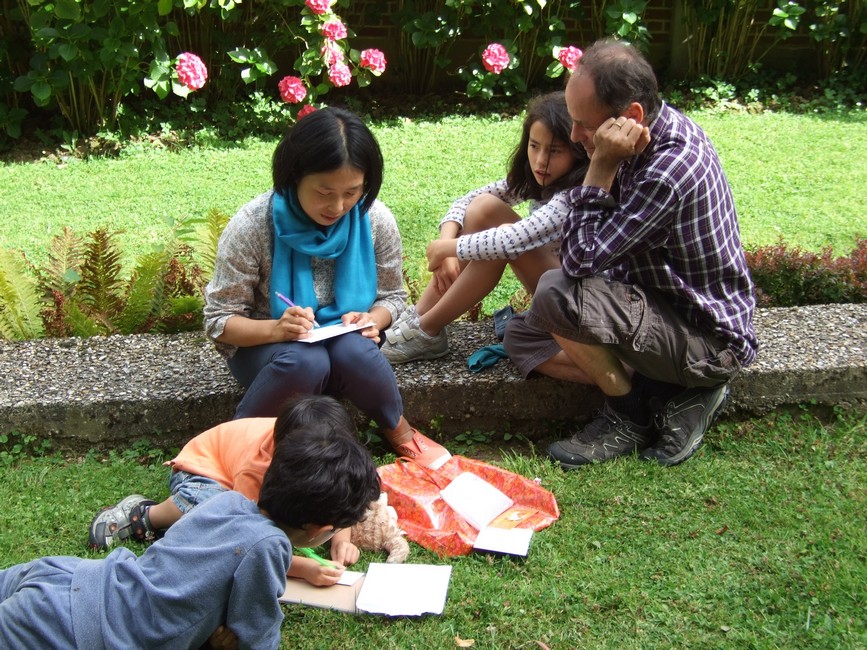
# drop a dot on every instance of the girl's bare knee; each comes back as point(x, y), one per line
point(487, 211)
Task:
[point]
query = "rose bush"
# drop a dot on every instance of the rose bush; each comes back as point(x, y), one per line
point(319, 7)
point(373, 60)
point(496, 60)
point(327, 60)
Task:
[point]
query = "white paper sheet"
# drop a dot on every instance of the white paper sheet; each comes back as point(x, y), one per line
point(349, 578)
point(321, 333)
point(404, 589)
point(475, 499)
point(514, 541)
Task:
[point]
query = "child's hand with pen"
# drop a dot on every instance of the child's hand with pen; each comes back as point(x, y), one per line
point(321, 572)
point(315, 570)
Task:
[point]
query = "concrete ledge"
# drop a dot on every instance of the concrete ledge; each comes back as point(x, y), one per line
point(110, 391)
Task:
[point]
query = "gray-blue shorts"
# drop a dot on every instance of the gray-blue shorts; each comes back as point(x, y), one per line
point(189, 490)
point(638, 327)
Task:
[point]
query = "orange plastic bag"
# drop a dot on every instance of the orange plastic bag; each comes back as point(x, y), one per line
point(414, 492)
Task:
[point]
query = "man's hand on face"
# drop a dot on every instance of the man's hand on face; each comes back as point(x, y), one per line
point(618, 139)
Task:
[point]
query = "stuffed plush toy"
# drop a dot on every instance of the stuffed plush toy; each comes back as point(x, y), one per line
point(378, 531)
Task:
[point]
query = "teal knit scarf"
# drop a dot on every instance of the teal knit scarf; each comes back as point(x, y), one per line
point(297, 238)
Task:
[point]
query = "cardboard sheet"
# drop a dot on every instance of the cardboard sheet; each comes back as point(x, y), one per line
point(339, 597)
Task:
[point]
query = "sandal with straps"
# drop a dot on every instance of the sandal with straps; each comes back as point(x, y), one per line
point(123, 520)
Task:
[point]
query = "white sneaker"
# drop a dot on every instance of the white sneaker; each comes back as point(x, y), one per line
point(408, 313)
point(405, 341)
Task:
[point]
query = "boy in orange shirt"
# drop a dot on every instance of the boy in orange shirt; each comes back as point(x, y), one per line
point(231, 456)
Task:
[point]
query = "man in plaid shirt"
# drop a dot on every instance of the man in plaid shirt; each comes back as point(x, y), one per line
point(654, 302)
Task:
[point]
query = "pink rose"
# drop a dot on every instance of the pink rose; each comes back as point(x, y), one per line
point(339, 74)
point(495, 58)
point(331, 53)
point(305, 111)
point(334, 29)
point(318, 7)
point(191, 71)
point(569, 57)
point(372, 59)
point(292, 90)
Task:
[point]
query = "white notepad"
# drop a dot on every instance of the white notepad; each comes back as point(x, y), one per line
point(329, 331)
point(475, 499)
point(404, 589)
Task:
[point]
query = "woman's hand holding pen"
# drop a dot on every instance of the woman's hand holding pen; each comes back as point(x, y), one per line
point(294, 324)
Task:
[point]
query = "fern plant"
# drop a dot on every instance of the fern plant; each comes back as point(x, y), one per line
point(145, 294)
point(100, 292)
point(81, 290)
point(20, 299)
point(203, 234)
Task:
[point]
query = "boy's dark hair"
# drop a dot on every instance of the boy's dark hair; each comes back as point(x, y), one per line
point(325, 141)
point(319, 475)
point(301, 410)
point(621, 75)
point(549, 109)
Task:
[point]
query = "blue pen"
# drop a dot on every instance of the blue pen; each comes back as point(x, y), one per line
point(309, 552)
point(292, 304)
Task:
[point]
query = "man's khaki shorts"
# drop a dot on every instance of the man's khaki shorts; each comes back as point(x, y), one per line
point(637, 326)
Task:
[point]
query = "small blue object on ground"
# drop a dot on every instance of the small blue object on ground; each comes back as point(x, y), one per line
point(486, 357)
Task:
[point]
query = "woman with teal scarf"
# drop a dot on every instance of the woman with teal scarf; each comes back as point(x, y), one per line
point(322, 239)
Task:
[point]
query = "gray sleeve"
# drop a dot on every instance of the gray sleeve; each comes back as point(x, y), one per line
point(388, 248)
point(242, 269)
point(253, 611)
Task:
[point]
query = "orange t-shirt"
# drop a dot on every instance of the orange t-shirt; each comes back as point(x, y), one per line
point(236, 454)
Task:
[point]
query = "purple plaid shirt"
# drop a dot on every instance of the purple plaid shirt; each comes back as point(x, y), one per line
point(669, 225)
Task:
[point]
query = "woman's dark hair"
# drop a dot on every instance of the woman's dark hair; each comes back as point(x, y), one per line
point(324, 141)
point(319, 475)
point(621, 75)
point(302, 410)
point(550, 110)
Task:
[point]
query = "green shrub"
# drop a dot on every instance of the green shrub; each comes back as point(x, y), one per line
point(790, 277)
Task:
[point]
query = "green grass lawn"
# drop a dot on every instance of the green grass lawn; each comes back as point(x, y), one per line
point(759, 541)
point(797, 176)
